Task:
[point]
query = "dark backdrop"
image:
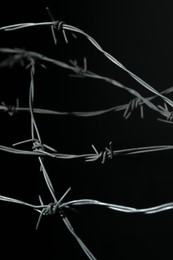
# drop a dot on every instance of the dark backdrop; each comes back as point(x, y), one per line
point(140, 36)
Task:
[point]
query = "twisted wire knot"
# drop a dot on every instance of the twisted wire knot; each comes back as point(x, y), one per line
point(134, 104)
point(58, 25)
point(38, 146)
point(50, 209)
point(107, 153)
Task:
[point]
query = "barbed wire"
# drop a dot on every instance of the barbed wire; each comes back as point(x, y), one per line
point(42, 150)
point(60, 207)
point(63, 26)
point(138, 101)
point(107, 153)
point(128, 109)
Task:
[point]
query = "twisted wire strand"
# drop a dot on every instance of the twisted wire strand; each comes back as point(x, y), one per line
point(34, 130)
point(39, 148)
point(59, 206)
point(50, 209)
point(90, 202)
point(71, 28)
point(24, 25)
point(139, 101)
point(128, 108)
point(119, 64)
point(121, 208)
point(80, 242)
point(88, 157)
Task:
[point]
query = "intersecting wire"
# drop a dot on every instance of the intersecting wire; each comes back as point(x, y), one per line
point(37, 146)
point(139, 100)
point(51, 208)
point(102, 155)
point(106, 153)
point(39, 149)
point(35, 135)
point(60, 25)
point(128, 108)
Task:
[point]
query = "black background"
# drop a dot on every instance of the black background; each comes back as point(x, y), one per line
point(140, 36)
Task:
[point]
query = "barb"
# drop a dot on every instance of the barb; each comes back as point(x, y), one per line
point(52, 26)
point(51, 208)
point(169, 118)
point(8, 108)
point(134, 103)
point(80, 71)
point(56, 25)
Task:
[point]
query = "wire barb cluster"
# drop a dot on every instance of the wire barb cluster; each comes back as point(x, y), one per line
point(8, 108)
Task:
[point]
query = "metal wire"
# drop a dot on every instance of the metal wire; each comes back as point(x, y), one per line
point(41, 150)
point(71, 28)
point(139, 100)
